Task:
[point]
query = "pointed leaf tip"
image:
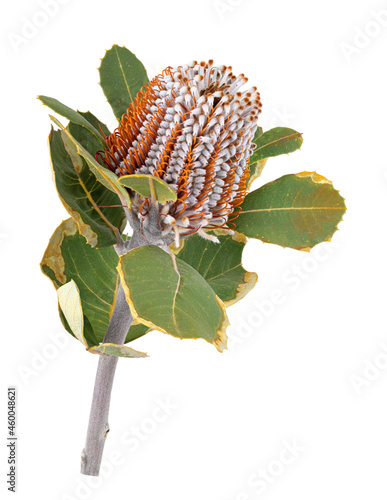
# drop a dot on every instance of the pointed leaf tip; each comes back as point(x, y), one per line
point(73, 116)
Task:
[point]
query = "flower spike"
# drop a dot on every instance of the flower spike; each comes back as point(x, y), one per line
point(191, 126)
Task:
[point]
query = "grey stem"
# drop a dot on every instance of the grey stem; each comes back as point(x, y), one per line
point(99, 413)
point(117, 330)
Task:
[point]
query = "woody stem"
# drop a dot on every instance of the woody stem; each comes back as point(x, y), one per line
point(117, 330)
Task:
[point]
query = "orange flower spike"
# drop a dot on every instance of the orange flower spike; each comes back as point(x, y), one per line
point(191, 126)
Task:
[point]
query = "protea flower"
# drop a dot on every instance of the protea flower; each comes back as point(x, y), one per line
point(193, 127)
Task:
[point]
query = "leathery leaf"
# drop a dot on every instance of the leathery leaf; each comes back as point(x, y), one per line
point(167, 294)
point(68, 257)
point(220, 264)
point(297, 211)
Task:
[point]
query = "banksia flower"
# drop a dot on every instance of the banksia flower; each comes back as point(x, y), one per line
point(192, 127)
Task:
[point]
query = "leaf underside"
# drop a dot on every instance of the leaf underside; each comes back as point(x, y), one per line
point(121, 351)
point(70, 304)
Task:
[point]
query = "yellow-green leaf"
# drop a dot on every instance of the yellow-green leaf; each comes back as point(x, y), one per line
point(121, 351)
point(149, 186)
point(70, 303)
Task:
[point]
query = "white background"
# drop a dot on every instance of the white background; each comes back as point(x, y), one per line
point(306, 376)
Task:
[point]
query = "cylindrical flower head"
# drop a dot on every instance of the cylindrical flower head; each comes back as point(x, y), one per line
point(191, 126)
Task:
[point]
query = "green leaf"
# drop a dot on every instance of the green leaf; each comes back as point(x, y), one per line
point(121, 351)
point(122, 76)
point(220, 264)
point(106, 177)
point(136, 331)
point(167, 294)
point(85, 138)
point(68, 257)
point(258, 133)
point(149, 186)
point(296, 211)
point(70, 303)
point(74, 116)
point(274, 142)
point(82, 194)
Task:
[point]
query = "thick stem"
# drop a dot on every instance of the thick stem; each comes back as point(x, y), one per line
point(99, 413)
point(117, 330)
